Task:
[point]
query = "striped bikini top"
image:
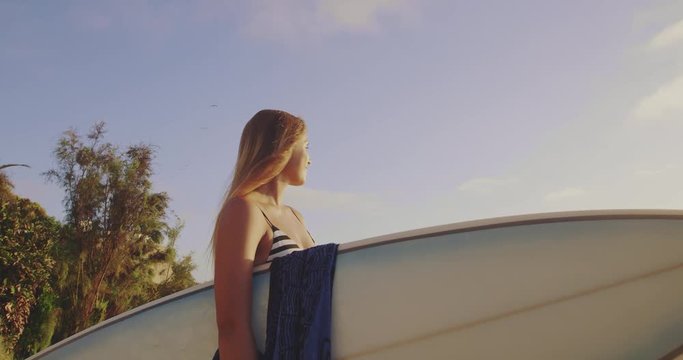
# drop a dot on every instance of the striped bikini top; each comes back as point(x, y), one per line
point(282, 243)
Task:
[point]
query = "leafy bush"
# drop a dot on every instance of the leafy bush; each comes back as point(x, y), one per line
point(28, 238)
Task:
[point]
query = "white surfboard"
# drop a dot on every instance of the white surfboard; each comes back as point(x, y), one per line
point(573, 285)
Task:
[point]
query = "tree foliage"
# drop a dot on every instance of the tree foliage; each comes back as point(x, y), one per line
point(113, 251)
point(116, 227)
point(28, 239)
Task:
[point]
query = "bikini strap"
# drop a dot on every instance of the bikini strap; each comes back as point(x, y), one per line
point(290, 208)
point(266, 217)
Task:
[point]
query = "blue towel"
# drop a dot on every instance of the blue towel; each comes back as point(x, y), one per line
point(300, 305)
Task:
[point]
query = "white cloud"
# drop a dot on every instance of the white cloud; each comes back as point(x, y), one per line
point(484, 184)
point(565, 193)
point(272, 19)
point(654, 172)
point(649, 172)
point(310, 199)
point(282, 18)
point(664, 101)
point(295, 18)
point(669, 36)
point(361, 15)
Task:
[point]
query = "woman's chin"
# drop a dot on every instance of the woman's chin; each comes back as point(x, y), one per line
point(298, 182)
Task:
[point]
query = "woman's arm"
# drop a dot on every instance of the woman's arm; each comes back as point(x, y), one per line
point(239, 230)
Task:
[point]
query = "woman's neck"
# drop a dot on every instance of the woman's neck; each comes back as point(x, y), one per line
point(271, 193)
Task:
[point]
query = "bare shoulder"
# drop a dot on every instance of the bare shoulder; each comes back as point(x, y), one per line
point(238, 207)
point(297, 213)
point(239, 219)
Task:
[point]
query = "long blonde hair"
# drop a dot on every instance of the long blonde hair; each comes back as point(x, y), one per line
point(265, 149)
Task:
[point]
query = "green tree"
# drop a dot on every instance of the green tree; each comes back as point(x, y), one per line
point(28, 249)
point(180, 278)
point(6, 186)
point(115, 226)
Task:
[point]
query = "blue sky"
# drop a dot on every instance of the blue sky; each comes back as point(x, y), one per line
point(419, 112)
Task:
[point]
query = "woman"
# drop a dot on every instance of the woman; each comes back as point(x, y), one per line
point(253, 226)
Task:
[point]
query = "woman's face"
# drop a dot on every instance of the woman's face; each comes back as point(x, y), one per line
point(295, 170)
